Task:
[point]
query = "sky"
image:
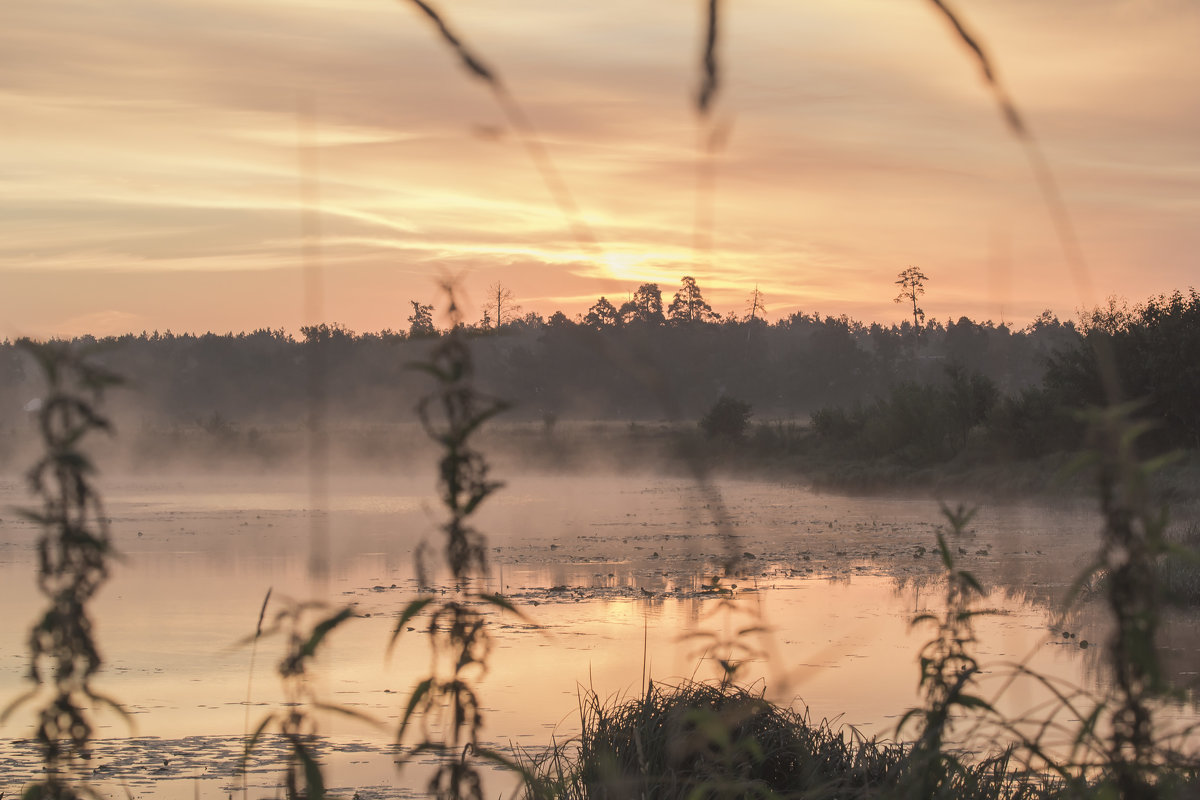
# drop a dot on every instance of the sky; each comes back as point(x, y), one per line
point(230, 165)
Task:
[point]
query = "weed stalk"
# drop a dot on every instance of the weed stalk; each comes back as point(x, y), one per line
point(74, 551)
point(458, 632)
point(948, 669)
point(1132, 542)
point(295, 721)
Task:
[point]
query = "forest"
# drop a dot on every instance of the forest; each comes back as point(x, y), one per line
point(918, 392)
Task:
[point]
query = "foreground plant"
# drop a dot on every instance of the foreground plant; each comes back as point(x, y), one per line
point(74, 551)
point(1133, 542)
point(948, 670)
point(460, 643)
point(1111, 747)
point(296, 721)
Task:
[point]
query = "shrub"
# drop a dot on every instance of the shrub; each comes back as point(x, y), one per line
point(728, 418)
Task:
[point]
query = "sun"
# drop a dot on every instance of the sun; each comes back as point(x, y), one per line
point(641, 266)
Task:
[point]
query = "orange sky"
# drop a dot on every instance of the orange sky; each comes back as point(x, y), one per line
point(150, 170)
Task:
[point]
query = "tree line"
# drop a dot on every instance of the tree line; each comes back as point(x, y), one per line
point(645, 360)
point(1153, 348)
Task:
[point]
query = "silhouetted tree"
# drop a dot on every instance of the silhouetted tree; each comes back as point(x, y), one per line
point(559, 320)
point(532, 321)
point(756, 310)
point(421, 322)
point(501, 303)
point(755, 306)
point(602, 314)
point(912, 285)
point(337, 332)
point(969, 398)
point(1156, 350)
point(645, 306)
point(1111, 318)
point(689, 304)
point(966, 342)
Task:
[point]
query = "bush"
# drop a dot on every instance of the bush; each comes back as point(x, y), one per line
point(728, 418)
point(1033, 424)
point(916, 423)
point(838, 423)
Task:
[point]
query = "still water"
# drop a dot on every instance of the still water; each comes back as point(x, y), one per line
point(608, 571)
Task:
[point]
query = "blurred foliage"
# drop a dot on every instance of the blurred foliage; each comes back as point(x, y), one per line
point(74, 552)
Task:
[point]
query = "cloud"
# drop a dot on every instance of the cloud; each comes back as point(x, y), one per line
point(148, 140)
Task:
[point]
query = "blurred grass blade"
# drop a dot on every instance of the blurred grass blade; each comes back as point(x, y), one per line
point(711, 80)
point(989, 74)
point(410, 611)
point(469, 59)
point(261, 614)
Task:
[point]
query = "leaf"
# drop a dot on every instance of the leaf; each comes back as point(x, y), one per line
point(112, 704)
point(503, 603)
point(313, 779)
point(430, 747)
point(418, 694)
point(17, 702)
point(322, 629)
point(912, 712)
point(753, 629)
point(501, 760)
point(348, 712)
point(944, 552)
point(971, 701)
point(29, 515)
point(1152, 465)
point(969, 580)
point(1088, 726)
point(411, 610)
point(252, 741)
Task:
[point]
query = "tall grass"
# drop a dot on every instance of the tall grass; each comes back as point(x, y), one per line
point(704, 740)
point(948, 670)
point(700, 740)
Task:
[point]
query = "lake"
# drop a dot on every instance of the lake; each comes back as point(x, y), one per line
point(611, 568)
